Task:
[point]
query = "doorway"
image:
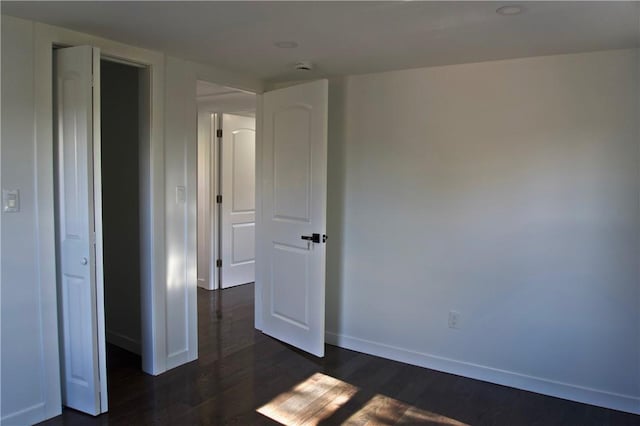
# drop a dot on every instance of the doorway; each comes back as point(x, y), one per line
point(226, 186)
point(291, 240)
point(101, 127)
point(120, 147)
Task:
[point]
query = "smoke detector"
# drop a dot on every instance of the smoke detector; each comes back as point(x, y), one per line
point(303, 66)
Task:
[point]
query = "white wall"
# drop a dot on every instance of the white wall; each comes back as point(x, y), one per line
point(180, 168)
point(30, 386)
point(30, 366)
point(507, 191)
point(180, 172)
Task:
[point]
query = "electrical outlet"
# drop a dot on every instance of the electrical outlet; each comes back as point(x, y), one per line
point(454, 319)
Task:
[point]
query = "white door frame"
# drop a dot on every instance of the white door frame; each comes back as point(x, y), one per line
point(212, 165)
point(153, 295)
point(259, 225)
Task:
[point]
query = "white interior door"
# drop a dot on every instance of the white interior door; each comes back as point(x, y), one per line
point(294, 179)
point(76, 71)
point(238, 199)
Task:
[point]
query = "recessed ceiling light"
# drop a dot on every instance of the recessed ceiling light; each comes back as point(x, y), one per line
point(510, 10)
point(286, 44)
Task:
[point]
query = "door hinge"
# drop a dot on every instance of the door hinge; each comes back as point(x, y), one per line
point(219, 263)
point(219, 133)
point(219, 199)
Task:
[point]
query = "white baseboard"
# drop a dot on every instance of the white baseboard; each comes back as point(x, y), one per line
point(627, 403)
point(124, 342)
point(236, 285)
point(204, 284)
point(28, 416)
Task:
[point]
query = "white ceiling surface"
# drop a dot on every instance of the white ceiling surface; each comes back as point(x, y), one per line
point(215, 98)
point(204, 88)
point(346, 37)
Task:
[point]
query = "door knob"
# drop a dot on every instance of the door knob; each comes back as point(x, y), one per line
point(315, 238)
point(84, 261)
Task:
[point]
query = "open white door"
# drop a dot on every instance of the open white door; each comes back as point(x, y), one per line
point(83, 350)
point(294, 193)
point(238, 199)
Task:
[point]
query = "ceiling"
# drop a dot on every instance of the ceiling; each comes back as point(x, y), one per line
point(215, 98)
point(345, 37)
point(204, 88)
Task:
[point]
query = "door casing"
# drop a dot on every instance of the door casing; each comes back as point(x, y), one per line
point(47, 38)
point(211, 118)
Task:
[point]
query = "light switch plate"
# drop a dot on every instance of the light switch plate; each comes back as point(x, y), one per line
point(180, 195)
point(11, 200)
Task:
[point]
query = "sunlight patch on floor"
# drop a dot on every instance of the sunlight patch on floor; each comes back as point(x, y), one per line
point(320, 396)
point(310, 402)
point(383, 410)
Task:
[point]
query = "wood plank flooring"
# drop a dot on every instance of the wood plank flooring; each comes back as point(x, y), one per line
point(241, 371)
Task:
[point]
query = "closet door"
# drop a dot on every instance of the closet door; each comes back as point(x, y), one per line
point(76, 88)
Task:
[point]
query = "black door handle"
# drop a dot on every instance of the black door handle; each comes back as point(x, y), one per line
point(315, 238)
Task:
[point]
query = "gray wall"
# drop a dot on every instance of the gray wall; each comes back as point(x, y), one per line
point(29, 354)
point(507, 191)
point(120, 195)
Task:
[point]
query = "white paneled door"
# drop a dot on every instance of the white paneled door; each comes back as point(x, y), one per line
point(294, 179)
point(76, 71)
point(238, 199)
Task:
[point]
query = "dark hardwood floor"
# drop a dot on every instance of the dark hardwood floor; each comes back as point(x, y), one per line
point(239, 370)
